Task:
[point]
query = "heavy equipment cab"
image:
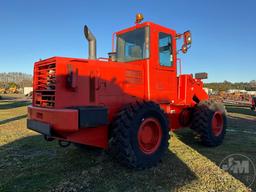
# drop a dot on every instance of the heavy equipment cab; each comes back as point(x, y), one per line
point(134, 45)
point(151, 45)
point(127, 103)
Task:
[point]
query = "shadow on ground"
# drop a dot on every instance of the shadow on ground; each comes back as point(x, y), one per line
point(31, 163)
point(237, 141)
point(12, 119)
point(240, 110)
point(11, 105)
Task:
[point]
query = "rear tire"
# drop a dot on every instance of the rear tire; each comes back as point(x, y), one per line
point(140, 135)
point(210, 122)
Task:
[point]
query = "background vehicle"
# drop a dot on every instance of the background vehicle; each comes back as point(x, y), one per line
point(253, 103)
point(128, 102)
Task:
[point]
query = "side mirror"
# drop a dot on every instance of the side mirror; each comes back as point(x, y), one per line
point(187, 41)
point(187, 38)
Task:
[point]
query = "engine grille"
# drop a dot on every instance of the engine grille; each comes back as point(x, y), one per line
point(45, 85)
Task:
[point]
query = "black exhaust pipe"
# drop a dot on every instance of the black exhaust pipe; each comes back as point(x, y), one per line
point(92, 42)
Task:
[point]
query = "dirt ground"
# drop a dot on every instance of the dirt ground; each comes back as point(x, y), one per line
point(28, 163)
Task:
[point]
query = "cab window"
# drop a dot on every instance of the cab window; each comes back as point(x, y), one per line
point(133, 45)
point(165, 49)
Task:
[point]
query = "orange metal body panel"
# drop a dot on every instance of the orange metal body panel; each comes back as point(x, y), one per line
point(96, 136)
point(62, 120)
point(115, 84)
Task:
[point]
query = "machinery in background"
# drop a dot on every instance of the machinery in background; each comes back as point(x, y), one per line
point(253, 106)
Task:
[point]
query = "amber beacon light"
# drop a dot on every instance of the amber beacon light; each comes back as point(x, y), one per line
point(139, 18)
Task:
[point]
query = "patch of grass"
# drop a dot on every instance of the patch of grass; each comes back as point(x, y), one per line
point(237, 141)
point(13, 104)
point(28, 163)
point(11, 96)
point(13, 119)
point(240, 110)
point(13, 109)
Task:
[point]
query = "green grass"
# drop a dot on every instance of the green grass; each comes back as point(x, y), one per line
point(11, 96)
point(240, 110)
point(11, 109)
point(240, 138)
point(28, 163)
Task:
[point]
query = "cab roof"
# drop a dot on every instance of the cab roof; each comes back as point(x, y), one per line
point(144, 24)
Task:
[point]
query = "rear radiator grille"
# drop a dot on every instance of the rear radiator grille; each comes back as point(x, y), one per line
point(45, 85)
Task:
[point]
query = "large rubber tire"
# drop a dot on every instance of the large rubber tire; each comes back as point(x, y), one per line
point(127, 135)
point(203, 122)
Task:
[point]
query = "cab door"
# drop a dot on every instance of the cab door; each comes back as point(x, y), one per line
point(166, 80)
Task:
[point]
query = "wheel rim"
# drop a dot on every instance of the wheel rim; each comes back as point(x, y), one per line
point(149, 135)
point(217, 123)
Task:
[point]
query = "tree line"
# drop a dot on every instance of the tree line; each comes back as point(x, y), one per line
point(226, 85)
point(15, 79)
point(20, 80)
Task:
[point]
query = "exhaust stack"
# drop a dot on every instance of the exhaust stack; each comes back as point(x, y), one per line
point(92, 42)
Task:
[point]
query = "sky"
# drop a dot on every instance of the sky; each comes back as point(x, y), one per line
point(223, 31)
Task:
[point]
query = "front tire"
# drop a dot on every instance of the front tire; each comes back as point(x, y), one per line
point(140, 135)
point(210, 122)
